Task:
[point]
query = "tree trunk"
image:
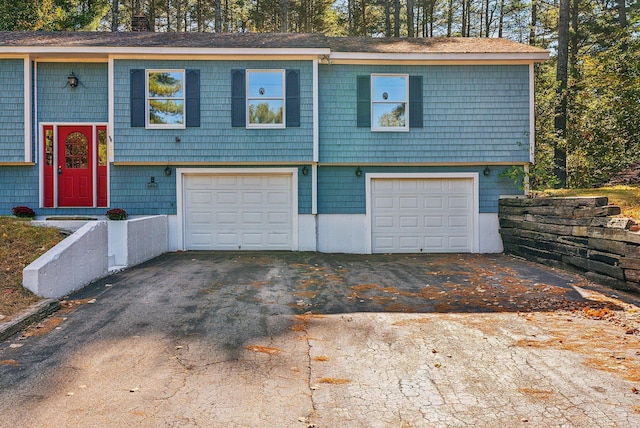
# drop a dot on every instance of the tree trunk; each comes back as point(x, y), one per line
point(464, 18)
point(622, 14)
point(501, 19)
point(487, 18)
point(534, 22)
point(114, 15)
point(410, 17)
point(449, 18)
point(217, 24)
point(284, 11)
point(562, 77)
point(387, 18)
point(396, 18)
point(178, 16)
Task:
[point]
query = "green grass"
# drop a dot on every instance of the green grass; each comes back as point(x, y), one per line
point(20, 244)
point(626, 197)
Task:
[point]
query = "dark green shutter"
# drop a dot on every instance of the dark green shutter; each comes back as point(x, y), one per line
point(137, 98)
point(415, 102)
point(238, 99)
point(293, 98)
point(193, 98)
point(364, 101)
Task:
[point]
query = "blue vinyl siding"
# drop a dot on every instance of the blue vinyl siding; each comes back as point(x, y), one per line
point(472, 113)
point(215, 140)
point(340, 191)
point(88, 102)
point(12, 110)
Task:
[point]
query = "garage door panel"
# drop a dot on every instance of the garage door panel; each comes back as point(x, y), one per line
point(226, 198)
point(232, 212)
point(443, 219)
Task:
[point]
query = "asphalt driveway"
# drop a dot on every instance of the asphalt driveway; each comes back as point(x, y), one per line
point(303, 339)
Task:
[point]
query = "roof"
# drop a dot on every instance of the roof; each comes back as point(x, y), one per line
point(429, 45)
point(162, 40)
point(102, 44)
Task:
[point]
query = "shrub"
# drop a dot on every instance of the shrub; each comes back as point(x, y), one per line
point(23, 212)
point(117, 214)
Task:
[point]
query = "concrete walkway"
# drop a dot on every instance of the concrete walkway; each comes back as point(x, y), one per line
point(313, 340)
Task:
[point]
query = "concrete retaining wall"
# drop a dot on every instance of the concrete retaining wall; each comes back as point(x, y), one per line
point(93, 251)
point(575, 233)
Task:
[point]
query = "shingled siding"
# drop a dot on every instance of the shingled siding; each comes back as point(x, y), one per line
point(57, 102)
point(471, 114)
point(577, 233)
point(11, 110)
point(215, 140)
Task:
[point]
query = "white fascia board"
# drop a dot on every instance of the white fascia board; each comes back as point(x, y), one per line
point(347, 57)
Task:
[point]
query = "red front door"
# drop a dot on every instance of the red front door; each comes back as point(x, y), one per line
point(75, 166)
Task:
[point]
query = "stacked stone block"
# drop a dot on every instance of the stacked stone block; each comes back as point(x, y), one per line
point(576, 233)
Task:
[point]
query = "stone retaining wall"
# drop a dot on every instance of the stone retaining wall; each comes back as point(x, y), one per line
point(574, 233)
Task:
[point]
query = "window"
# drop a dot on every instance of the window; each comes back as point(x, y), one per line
point(278, 106)
point(265, 99)
point(165, 99)
point(389, 102)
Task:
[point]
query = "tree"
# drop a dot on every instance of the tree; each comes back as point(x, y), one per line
point(562, 78)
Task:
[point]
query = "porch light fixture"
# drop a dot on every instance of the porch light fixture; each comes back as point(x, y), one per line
point(167, 171)
point(305, 170)
point(486, 172)
point(358, 172)
point(72, 80)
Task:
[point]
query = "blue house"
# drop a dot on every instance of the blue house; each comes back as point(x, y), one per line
point(270, 141)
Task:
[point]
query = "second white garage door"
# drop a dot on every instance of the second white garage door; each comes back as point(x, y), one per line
point(238, 212)
point(414, 215)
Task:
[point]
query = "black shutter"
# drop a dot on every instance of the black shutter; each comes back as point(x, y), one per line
point(415, 102)
point(238, 99)
point(364, 101)
point(137, 97)
point(293, 98)
point(192, 98)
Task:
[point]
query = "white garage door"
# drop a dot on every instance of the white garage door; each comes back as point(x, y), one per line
point(238, 212)
point(413, 215)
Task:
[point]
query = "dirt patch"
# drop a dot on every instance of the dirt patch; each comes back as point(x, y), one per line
point(263, 349)
point(334, 381)
point(20, 244)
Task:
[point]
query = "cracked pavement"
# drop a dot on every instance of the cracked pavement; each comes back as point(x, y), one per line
point(329, 340)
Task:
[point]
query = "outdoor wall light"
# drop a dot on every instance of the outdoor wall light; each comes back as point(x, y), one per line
point(358, 172)
point(177, 139)
point(486, 172)
point(305, 170)
point(167, 171)
point(72, 80)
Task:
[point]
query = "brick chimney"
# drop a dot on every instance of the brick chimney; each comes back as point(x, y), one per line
point(139, 22)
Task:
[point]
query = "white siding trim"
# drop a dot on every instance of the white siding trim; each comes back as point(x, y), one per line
point(316, 115)
point(111, 114)
point(28, 155)
point(476, 199)
point(181, 172)
point(532, 114)
point(314, 188)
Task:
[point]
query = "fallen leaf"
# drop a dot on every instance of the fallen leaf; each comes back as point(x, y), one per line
point(635, 390)
point(8, 363)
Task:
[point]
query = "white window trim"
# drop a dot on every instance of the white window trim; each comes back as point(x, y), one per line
point(284, 100)
point(404, 128)
point(148, 123)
